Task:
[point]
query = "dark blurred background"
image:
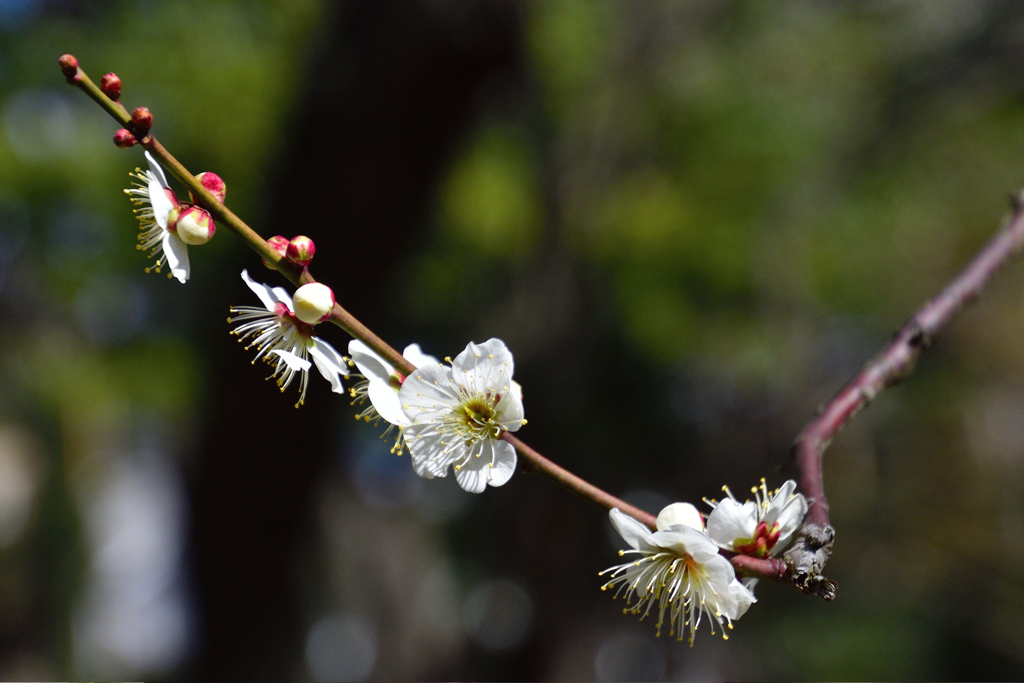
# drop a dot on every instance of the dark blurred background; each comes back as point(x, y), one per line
point(690, 221)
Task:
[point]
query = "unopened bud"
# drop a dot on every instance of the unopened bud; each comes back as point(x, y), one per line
point(301, 250)
point(212, 182)
point(278, 244)
point(193, 225)
point(142, 120)
point(110, 84)
point(313, 303)
point(124, 139)
point(68, 65)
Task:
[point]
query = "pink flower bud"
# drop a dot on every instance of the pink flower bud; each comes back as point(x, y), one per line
point(142, 119)
point(110, 84)
point(212, 182)
point(313, 303)
point(124, 139)
point(193, 225)
point(301, 250)
point(278, 244)
point(68, 66)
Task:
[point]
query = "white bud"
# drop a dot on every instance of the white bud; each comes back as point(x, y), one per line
point(313, 303)
point(194, 226)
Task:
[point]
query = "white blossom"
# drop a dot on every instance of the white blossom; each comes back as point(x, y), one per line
point(155, 199)
point(381, 385)
point(761, 527)
point(457, 413)
point(679, 573)
point(285, 342)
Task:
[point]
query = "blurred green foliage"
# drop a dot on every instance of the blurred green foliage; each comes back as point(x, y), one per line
point(698, 220)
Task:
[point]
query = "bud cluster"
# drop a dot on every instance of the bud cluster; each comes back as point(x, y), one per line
point(298, 250)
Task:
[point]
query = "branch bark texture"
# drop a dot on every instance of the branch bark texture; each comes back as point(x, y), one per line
point(813, 544)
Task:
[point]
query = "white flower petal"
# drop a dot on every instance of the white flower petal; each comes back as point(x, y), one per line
point(415, 355)
point(731, 520)
point(385, 400)
point(176, 252)
point(685, 540)
point(267, 295)
point(369, 363)
point(741, 597)
point(484, 366)
point(329, 363)
point(156, 169)
point(292, 361)
point(637, 535)
point(778, 502)
point(510, 409)
point(426, 449)
point(505, 460)
point(428, 390)
point(790, 519)
point(680, 513)
point(473, 476)
point(331, 356)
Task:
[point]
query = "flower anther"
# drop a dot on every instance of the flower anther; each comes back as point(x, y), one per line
point(458, 413)
point(156, 203)
point(285, 342)
point(313, 303)
point(678, 573)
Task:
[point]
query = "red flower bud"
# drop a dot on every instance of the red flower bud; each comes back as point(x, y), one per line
point(142, 119)
point(124, 139)
point(212, 182)
point(301, 250)
point(278, 244)
point(68, 66)
point(111, 86)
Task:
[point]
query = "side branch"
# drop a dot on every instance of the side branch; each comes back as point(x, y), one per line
point(813, 544)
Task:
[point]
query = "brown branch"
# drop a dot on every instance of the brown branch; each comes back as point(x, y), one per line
point(339, 316)
point(813, 544)
point(805, 560)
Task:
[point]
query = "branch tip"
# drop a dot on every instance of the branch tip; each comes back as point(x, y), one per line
point(68, 66)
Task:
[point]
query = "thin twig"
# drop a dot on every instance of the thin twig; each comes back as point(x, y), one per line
point(813, 544)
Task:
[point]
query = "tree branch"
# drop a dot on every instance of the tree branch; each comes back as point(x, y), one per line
point(805, 560)
point(813, 543)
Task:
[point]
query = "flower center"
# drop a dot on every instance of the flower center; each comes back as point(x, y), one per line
point(764, 540)
point(477, 415)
